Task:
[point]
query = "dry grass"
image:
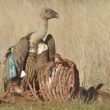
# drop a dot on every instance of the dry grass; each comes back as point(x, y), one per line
point(74, 105)
point(82, 33)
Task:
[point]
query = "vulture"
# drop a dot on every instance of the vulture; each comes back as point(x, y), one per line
point(45, 53)
point(18, 56)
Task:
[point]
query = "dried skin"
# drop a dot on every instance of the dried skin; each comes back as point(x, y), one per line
point(57, 80)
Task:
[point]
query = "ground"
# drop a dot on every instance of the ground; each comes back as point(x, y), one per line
point(72, 105)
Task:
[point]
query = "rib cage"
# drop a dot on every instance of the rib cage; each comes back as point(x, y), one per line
point(56, 81)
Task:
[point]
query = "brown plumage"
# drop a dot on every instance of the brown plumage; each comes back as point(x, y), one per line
point(35, 61)
point(51, 47)
point(20, 51)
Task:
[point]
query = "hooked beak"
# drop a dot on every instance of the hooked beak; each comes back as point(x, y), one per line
point(55, 14)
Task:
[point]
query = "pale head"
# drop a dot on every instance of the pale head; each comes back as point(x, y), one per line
point(48, 13)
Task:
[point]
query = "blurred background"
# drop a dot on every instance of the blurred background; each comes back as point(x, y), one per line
point(82, 33)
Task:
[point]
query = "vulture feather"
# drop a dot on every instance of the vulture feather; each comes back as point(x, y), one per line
point(51, 47)
point(45, 53)
point(20, 51)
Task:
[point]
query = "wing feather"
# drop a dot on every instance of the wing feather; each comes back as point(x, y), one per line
point(21, 52)
point(51, 46)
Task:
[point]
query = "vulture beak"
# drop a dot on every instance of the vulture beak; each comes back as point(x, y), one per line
point(55, 14)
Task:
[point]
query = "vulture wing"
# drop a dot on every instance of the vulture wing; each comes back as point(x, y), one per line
point(51, 46)
point(19, 53)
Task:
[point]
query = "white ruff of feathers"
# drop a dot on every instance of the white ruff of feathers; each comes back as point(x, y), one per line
point(41, 48)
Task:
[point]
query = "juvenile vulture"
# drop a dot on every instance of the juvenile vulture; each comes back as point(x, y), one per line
point(18, 55)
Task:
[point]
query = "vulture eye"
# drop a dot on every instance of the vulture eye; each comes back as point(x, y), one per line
point(46, 11)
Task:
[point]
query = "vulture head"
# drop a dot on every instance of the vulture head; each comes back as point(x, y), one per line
point(48, 13)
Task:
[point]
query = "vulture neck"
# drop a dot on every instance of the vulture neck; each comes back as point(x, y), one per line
point(41, 33)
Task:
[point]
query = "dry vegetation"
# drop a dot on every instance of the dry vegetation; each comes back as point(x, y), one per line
point(82, 33)
point(75, 105)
